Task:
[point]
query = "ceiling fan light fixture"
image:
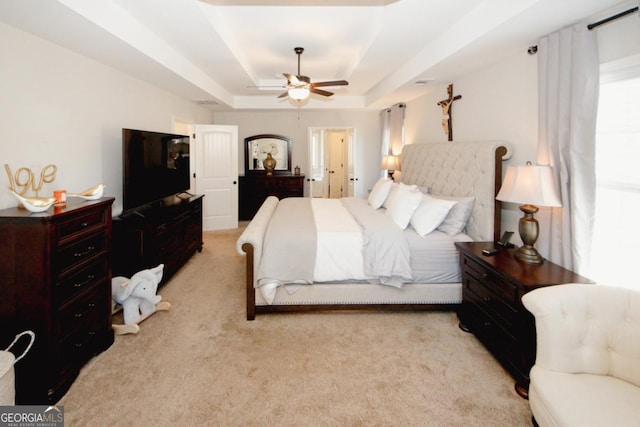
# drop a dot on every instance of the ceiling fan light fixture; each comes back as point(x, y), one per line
point(298, 93)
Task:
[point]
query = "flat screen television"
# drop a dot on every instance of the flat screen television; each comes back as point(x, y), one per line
point(155, 166)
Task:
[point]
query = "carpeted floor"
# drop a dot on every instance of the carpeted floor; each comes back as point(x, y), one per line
point(203, 364)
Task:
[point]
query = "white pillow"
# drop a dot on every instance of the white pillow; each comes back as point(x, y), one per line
point(456, 220)
point(403, 204)
point(379, 193)
point(430, 214)
point(394, 187)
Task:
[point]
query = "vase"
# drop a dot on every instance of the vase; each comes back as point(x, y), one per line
point(269, 164)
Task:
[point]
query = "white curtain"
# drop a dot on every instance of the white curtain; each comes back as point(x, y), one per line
point(568, 70)
point(392, 120)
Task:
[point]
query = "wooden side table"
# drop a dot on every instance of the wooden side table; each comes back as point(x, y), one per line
point(492, 288)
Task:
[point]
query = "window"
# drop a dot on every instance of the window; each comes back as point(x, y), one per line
point(616, 241)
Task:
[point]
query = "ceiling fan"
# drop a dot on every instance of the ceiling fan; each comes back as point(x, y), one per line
point(299, 87)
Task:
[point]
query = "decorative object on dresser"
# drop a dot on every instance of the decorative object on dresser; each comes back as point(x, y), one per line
point(269, 164)
point(56, 282)
point(26, 179)
point(91, 193)
point(34, 204)
point(168, 232)
point(492, 288)
point(530, 185)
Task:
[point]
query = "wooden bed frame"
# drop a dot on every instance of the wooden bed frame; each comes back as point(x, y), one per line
point(453, 168)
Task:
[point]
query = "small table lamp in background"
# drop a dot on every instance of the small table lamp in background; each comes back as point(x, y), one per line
point(532, 186)
point(390, 164)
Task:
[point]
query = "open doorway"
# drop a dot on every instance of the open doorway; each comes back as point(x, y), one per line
point(332, 161)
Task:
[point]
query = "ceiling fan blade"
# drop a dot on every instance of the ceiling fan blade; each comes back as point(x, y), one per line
point(284, 94)
point(320, 92)
point(292, 79)
point(330, 83)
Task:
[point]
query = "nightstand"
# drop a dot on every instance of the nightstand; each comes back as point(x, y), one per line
point(491, 309)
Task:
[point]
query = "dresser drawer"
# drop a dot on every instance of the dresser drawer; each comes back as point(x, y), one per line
point(79, 312)
point(81, 251)
point(82, 343)
point(69, 286)
point(290, 183)
point(85, 223)
point(498, 286)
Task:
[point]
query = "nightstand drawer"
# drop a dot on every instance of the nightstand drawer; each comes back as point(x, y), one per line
point(498, 286)
point(496, 338)
point(490, 302)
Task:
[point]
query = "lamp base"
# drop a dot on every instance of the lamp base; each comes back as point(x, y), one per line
point(528, 254)
point(528, 228)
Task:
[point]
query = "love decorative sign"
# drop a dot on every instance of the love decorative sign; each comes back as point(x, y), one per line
point(24, 179)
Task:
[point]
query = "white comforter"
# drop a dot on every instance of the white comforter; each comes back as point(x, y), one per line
point(339, 242)
point(352, 242)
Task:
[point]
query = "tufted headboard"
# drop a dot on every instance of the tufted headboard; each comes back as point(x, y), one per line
point(461, 169)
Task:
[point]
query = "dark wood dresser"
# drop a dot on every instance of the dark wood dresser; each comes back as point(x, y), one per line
point(254, 189)
point(492, 288)
point(166, 233)
point(55, 272)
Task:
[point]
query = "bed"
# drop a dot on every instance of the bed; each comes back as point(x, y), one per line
point(445, 171)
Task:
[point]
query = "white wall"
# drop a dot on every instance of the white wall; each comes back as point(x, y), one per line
point(619, 38)
point(295, 124)
point(501, 102)
point(61, 108)
point(498, 103)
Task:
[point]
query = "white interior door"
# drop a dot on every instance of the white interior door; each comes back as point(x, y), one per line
point(335, 142)
point(332, 162)
point(316, 161)
point(350, 177)
point(216, 175)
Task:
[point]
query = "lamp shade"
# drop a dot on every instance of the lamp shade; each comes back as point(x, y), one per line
point(533, 185)
point(298, 93)
point(390, 163)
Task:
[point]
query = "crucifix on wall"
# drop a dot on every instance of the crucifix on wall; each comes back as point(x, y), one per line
point(445, 104)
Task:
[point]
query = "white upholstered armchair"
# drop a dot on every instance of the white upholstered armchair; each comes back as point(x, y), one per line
point(587, 369)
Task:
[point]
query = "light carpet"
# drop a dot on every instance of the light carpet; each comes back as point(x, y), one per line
point(203, 364)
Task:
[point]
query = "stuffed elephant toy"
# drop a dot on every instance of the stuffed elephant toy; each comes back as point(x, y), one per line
point(137, 295)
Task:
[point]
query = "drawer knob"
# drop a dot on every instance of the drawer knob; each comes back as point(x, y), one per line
point(487, 299)
point(485, 275)
point(85, 282)
point(88, 251)
point(84, 224)
point(89, 309)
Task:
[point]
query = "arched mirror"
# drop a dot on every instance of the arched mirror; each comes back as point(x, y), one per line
point(258, 146)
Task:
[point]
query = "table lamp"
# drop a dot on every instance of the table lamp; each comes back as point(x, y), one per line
point(391, 164)
point(532, 186)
